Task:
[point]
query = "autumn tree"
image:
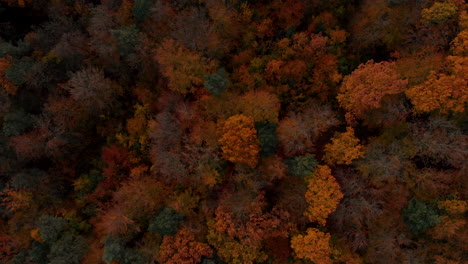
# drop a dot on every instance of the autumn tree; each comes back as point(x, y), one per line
point(439, 141)
point(442, 91)
point(314, 246)
point(323, 195)
point(365, 87)
point(183, 248)
point(439, 12)
point(185, 69)
point(91, 88)
point(260, 105)
point(298, 132)
point(6, 84)
point(343, 149)
point(239, 141)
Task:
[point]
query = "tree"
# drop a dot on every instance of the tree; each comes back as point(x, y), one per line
point(185, 69)
point(51, 228)
point(69, 249)
point(167, 222)
point(16, 123)
point(439, 12)
point(260, 105)
point(239, 141)
point(126, 38)
point(141, 9)
point(439, 141)
point(298, 131)
point(314, 246)
point(91, 88)
point(5, 83)
point(419, 216)
point(343, 149)
point(216, 83)
point(441, 91)
point(365, 87)
point(266, 133)
point(182, 248)
point(323, 195)
point(302, 166)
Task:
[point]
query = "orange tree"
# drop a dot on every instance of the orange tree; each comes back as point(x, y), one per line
point(239, 141)
point(313, 246)
point(344, 148)
point(323, 195)
point(365, 87)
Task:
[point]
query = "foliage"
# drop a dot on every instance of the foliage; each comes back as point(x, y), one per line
point(439, 12)
point(365, 87)
point(51, 228)
point(298, 132)
point(141, 9)
point(420, 216)
point(343, 149)
point(183, 248)
point(126, 38)
point(16, 123)
point(266, 133)
point(167, 222)
point(302, 166)
point(216, 83)
point(184, 68)
point(90, 88)
point(261, 106)
point(314, 246)
point(68, 249)
point(441, 91)
point(17, 72)
point(323, 195)
point(239, 141)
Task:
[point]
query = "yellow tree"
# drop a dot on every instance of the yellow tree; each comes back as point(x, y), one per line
point(344, 148)
point(314, 246)
point(239, 141)
point(323, 195)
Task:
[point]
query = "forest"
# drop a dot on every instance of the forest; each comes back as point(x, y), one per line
point(233, 131)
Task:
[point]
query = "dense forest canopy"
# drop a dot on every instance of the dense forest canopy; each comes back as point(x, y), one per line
point(233, 131)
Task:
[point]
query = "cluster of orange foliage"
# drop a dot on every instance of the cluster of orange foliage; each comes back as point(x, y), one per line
point(365, 87)
point(314, 246)
point(344, 148)
point(323, 195)
point(239, 141)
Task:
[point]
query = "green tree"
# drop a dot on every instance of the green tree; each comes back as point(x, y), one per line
point(51, 227)
point(141, 9)
point(217, 82)
point(166, 222)
point(126, 38)
point(68, 249)
point(420, 216)
point(16, 123)
point(266, 133)
point(302, 166)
